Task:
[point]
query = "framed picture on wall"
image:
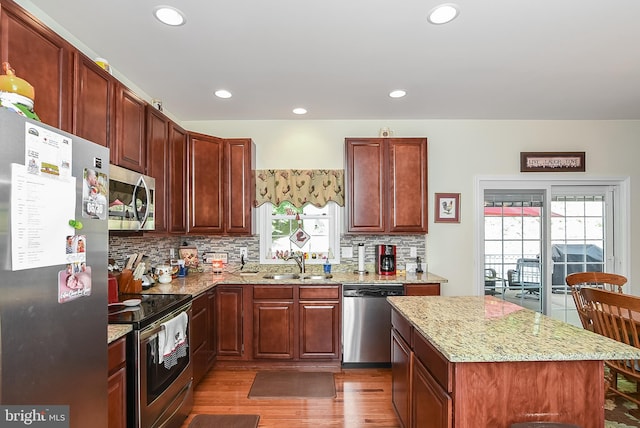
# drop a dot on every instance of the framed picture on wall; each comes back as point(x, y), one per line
point(552, 161)
point(447, 208)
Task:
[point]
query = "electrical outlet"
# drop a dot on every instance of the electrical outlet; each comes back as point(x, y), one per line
point(347, 252)
point(413, 252)
point(243, 253)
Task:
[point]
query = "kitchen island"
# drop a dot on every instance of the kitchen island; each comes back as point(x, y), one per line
point(483, 362)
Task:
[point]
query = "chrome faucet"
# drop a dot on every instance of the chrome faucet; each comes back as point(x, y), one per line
point(299, 258)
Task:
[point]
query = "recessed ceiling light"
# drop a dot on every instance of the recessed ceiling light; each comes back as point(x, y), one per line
point(300, 110)
point(223, 93)
point(443, 13)
point(169, 15)
point(398, 93)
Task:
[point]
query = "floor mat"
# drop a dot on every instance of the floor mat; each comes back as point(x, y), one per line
point(290, 384)
point(225, 421)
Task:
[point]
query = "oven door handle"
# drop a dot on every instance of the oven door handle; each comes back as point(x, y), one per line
point(157, 326)
point(147, 335)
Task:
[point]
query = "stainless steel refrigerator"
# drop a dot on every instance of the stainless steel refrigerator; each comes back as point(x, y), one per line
point(53, 278)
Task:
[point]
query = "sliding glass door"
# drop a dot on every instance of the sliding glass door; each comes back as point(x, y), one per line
point(532, 238)
point(581, 236)
point(514, 246)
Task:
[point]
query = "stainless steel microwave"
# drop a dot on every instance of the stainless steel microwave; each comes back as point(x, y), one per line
point(131, 200)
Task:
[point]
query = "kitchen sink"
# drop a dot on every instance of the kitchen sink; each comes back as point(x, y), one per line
point(281, 276)
point(318, 276)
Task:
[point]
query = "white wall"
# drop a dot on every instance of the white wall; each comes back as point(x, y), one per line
point(459, 150)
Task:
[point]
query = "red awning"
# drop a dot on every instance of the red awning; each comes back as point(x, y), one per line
point(514, 212)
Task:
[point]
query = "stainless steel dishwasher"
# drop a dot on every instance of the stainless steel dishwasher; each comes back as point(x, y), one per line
point(366, 323)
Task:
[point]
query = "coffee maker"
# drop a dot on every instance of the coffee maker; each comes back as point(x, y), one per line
point(386, 259)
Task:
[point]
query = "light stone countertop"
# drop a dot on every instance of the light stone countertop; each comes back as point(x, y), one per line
point(116, 331)
point(487, 329)
point(197, 283)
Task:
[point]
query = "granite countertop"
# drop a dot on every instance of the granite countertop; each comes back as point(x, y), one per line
point(116, 331)
point(197, 283)
point(488, 329)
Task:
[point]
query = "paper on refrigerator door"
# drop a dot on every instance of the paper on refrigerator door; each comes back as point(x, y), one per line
point(40, 212)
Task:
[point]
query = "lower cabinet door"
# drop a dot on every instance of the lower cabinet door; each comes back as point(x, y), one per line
point(273, 330)
point(431, 405)
point(400, 377)
point(319, 330)
point(229, 322)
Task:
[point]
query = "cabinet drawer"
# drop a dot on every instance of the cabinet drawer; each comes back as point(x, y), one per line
point(319, 292)
point(117, 353)
point(422, 289)
point(272, 292)
point(434, 361)
point(401, 325)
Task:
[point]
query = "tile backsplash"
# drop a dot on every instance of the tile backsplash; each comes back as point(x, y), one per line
point(158, 249)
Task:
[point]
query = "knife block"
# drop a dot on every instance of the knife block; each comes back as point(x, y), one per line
point(127, 284)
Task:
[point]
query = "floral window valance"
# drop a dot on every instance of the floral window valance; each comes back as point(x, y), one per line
point(300, 186)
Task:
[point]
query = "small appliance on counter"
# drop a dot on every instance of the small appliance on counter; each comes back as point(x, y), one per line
point(385, 259)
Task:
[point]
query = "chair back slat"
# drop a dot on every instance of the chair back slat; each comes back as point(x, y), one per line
point(603, 280)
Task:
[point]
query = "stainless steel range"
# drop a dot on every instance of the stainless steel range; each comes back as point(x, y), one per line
point(159, 394)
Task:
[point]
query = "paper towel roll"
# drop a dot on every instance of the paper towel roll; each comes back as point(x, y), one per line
point(360, 257)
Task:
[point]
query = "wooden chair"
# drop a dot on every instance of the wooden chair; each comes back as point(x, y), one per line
point(602, 280)
point(617, 316)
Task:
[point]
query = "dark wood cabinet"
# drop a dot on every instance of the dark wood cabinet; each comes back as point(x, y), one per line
point(129, 150)
point(177, 180)
point(157, 135)
point(386, 185)
point(428, 289)
point(433, 406)
point(220, 190)
point(229, 321)
point(203, 334)
point(401, 377)
point(273, 322)
point(117, 384)
point(282, 322)
point(239, 189)
point(319, 318)
point(93, 101)
point(42, 58)
point(205, 184)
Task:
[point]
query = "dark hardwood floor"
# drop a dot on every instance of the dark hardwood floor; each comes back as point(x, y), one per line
point(363, 399)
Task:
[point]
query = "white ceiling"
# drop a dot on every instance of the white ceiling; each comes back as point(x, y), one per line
point(500, 59)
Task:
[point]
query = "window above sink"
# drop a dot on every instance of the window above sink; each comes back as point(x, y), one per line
point(278, 223)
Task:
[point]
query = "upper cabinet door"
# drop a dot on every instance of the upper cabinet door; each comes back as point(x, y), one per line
point(239, 185)
point(177, 207)
point(93, 100)
point(130, 147)
point(206, 183)
point(42, 58)
point(365, 190)
point(407, 185)
point(157, 132)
